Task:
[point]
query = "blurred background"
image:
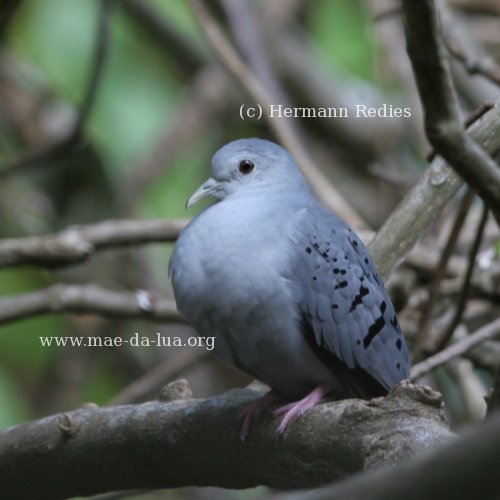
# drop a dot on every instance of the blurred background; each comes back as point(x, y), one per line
point(113, 110)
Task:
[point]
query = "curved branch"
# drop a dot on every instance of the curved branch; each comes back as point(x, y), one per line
point(463, 469)
point(489, 331)
point(442, 121)
point(88, 299)
point(78, 243)
point(192, 442)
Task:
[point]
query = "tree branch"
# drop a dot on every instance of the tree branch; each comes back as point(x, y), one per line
point(78, 243)
point(88, 299)
point(434, 345)
point(486, 332)
point(463, 469)
point(442, 121)
point(474, 65)
point(181, 443)
point(424, 202)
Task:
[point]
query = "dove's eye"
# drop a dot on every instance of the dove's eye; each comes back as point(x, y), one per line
point(246, 166)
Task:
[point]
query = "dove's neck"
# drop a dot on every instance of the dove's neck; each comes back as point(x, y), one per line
point(263, 193)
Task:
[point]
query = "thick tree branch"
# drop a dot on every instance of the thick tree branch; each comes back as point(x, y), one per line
point(88, 299)
point(160, 445)
point(463, 469)
point(442, 121)
point(78, 243)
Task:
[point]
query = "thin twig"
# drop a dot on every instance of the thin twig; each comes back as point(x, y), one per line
point(489, 331)
point(474, 66)
point(438, 343)
point(472, 117)
point(440, 269)
point(88, 299)
point(475, 114)
point(249, 37)
point(97, 67)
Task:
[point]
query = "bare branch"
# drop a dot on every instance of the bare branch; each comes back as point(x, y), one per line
point(78, 243)
point(442, 121)
point(440, 269)
point(489, 331)
point(88, 299)
point(463, 469)
point(474, 65)
point(97, 67)
point(437, 344)
point(193, 442)
point(424, 202)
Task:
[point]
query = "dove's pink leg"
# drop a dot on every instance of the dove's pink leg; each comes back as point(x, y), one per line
point(261, 404)
point(298, 408)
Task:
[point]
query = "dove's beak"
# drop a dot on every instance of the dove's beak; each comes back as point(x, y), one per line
point(206, 189)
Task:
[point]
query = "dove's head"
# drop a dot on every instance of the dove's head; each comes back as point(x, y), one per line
point(248, 166)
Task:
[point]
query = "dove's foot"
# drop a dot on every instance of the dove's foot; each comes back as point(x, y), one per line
point(293, 410)
point(255, 408)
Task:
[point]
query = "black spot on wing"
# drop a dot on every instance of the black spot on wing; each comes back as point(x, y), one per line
point(374, 329)
point(341, 284)
point(395, 323)
point(358, 299)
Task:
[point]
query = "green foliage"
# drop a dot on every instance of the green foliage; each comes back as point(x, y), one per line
point(13, 407)
point(136, 92)
point(19, 344)
point(169, 194)
point(343, 33)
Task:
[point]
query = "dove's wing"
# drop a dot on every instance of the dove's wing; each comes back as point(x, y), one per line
point(343, 300)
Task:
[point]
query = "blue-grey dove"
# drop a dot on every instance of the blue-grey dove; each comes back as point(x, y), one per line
point(287, 288)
